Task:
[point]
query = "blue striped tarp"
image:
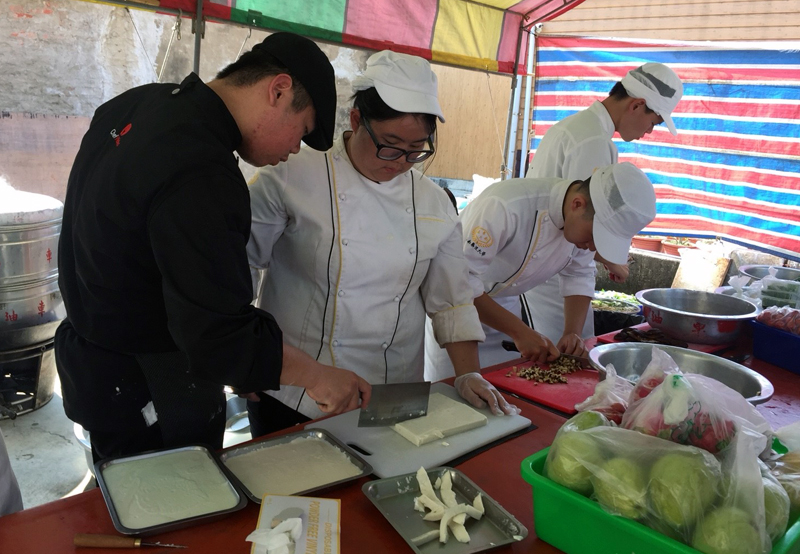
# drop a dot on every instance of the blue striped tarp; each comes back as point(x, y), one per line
point(733, 171)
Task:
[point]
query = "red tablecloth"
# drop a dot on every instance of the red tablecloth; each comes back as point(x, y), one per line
point(49, 529)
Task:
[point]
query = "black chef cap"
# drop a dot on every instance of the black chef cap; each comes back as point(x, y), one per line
point(308, 64)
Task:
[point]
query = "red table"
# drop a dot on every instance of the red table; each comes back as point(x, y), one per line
point(49, 529)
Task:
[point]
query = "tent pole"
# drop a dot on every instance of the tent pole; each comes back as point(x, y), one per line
point(508, 166)
point(199, 31)
point(527, 118)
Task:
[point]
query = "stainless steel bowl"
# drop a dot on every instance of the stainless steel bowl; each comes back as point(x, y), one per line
point(696, 316)
point(756, 272)
point(631, 358)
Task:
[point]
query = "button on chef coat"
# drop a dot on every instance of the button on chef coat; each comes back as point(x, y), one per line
point(321, 292)
point(571, 149)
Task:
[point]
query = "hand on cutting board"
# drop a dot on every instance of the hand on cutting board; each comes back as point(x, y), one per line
point(572, 344)
point(535, 346)
point(479, 392)
point(337, 390)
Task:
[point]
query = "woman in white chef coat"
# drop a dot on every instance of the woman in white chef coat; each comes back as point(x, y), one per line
point(358, 246)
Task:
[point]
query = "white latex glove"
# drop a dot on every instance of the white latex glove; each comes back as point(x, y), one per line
point(479, 392)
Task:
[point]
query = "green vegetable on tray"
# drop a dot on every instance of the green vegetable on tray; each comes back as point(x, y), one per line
point(612, 301)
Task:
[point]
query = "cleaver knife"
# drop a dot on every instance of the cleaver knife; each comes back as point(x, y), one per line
point(395, 402)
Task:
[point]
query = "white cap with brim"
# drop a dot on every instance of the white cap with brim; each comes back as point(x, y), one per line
point(406, 83)
point(624, 203)
point(658, 86)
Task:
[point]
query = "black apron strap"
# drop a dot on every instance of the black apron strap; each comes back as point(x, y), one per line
point(190, 410)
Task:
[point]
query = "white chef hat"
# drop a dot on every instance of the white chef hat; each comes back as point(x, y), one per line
point(658, 86)
point(406, 83)
point(624, 203)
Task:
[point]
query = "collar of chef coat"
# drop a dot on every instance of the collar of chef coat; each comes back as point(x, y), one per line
point(598, 109)
point(214, 108)
point(556, 202)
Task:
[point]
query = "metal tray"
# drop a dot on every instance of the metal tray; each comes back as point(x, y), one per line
point(101, 466)
point(364, 467)
point(394, 497)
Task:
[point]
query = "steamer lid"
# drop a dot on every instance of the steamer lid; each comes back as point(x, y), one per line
point(19, 208)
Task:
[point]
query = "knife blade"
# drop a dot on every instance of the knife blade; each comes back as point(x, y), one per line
point(585, 363)
point(395, 402)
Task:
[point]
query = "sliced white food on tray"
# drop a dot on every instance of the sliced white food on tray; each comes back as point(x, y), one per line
point(445, 417)
point(451, 515)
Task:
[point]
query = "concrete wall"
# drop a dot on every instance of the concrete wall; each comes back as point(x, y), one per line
point(61, 59)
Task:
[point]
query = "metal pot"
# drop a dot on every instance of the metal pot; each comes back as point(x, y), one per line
point(31, 307)
point(631, 358)
point(28, 252)
point(756, 272)
point(696, 316)
point(30, 313)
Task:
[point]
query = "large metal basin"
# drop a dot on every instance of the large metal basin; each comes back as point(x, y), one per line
point(756, 272)
point(696, 316)
point(631, 358)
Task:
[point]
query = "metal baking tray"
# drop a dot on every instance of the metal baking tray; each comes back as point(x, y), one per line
point(103, 465)
point(363, 466)
point(394, 497)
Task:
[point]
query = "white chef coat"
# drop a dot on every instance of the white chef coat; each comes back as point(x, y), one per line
point(571, 149)
point(353, 266)
point(514, 241)
point(10, 497)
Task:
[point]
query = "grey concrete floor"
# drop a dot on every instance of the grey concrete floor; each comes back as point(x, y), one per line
point(47, 457)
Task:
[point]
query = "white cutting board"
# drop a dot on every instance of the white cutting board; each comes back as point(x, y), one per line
point(390, 454)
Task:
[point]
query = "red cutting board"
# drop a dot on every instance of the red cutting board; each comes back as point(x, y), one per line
point(708, 348)
point(559, 396)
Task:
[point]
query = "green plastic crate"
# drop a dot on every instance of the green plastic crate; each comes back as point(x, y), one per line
point(576, 525)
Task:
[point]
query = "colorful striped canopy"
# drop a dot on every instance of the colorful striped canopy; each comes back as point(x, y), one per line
point(733, 171)
point(481, 34)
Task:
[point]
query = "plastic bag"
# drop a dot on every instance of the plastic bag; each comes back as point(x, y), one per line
point(789, 436)
point(751, 293)
point(786, 469)
point(569, 452)
point(699, 411)
point(783, 318)
point(777, 504)
point(610, 396)
point(661, 365)
point(709, 502)
point(779, 292)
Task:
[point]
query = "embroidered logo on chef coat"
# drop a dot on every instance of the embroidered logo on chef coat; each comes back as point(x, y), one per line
point(116, 136)
point(481, 237)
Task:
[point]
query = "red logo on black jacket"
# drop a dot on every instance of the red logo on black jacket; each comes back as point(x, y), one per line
point(116, 136)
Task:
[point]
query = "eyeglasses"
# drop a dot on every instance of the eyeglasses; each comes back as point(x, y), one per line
point(390, 153)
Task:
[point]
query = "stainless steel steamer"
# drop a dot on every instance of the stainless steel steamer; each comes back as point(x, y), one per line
point(31, 307)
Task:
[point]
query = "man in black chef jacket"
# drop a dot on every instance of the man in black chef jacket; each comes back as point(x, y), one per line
point(152, 261)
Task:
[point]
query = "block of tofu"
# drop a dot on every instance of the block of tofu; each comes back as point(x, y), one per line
point(445, 417)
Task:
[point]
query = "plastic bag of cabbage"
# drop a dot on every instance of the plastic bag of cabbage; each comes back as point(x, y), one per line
point(718, 504)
